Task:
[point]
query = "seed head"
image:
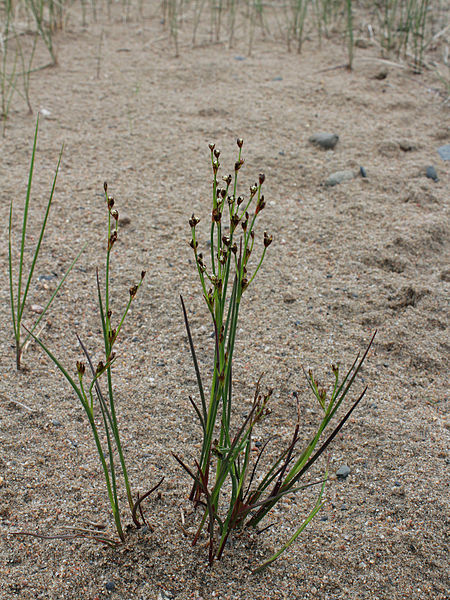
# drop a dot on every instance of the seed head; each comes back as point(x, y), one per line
point(267, 240)
point(216, 215)
point(217, 153)
point(253, 189)
point(234, 222)
point(100, 367)
point(81, 368)
point(115, 214)
point(193, 245)
point(193, 221)
point(227, 179)
point(238, 164)
point(216, 166)
point(112, 239)
point(211, 146)
point(240, 200)
point(105, 186)
point(240, 142)
point(133, 291)
point(261, 178)
point(143, 274)
point(226, 240)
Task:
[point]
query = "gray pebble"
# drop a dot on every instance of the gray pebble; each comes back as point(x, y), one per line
point(327, 141)
point(343, 472)
point(110, 586)
point(444, 152)
point(362, 172)
point(339, 177)
point(431, 173)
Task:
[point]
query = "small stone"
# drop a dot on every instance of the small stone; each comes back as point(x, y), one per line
point(339, 177)
point(343, 472)
point(37, 308)
point(407, 146)
point(327, 141)
point(362, 172)
point(362, 43)
point(277, 78)
point(110, 586)
point(56, 423)
point(381, 74)
point(47, 277)
point(289, 298)
point(239, 57)
point(444, 152)
point(431, 173)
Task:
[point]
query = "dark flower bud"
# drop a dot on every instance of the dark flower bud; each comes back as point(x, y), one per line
point(253, 189)
point(238, 164)
point(109, 313)
point(143, 274)
point(133, 290)
point(223, 254)
point(193, 245)
point(112, 333)
point(247, 254)
point(244, 283)
point(230, 200)
point(115, 214)
point(193, 221)
point(227, 179)
point(261, 178)
point(216, 166)
point(252, 234)
point(110, 202)
point(226, 240)
point(234, 222)
point(100, 367)
point(211, 146)
point(217, 153)
point(216, 215)
point(267, 240)
point(112, 239)
point(240, 142)
point(105, 186)
point(81, 368)
point(240, 200)
point(335, 369)
point(223, 193)
point(234, 248)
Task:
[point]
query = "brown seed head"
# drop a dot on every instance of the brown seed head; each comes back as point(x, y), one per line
point(115, 214)
point(217, 153)
point(240, 142)
point(216, 215)
point(133, 290)
point(227, 179)
point(112, 239)
point(226, 240)
point(105, 186)
point(267, 240)
point(100, 367)
point(110, 202)
point(240, 200)
point(211, 146)
point(143, 274)
point(238, 164)
point(193, 245)
point(194, 221)
point(81, 368)
point(261, 178)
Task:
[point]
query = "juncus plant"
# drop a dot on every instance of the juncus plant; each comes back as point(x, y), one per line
point(225, 482)
point(100, 406)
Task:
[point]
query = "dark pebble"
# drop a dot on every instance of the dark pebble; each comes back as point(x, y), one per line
point(327, 141)
point(431, 173)
point(110, 586)
point(277, 78)
point(343, 472)
point(47, 277)
point(444, 152)
point(363, 172)
point(258, 444)
point(324, 518)
point(239, 57)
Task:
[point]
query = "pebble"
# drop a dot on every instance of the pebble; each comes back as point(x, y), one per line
point(37, 308)
point(327, 141)
point(362, 172)
point(110, 586)
point(47, 277)
point(431, 173)
point(339, 177)
point(444, 152)
point(343, 472)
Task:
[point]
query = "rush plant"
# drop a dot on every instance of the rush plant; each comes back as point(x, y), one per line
point(227, 484)
point(100, 406)
point(17, 291)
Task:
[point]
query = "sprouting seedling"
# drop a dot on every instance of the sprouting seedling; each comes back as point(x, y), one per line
point(19, 289)
point(100, 406)
point(235, 495)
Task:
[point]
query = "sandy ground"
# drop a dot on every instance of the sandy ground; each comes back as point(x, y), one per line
point(370, 253)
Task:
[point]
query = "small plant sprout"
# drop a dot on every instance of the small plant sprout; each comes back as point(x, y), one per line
point(100, 406)
point(228, 483)
point(19, 293)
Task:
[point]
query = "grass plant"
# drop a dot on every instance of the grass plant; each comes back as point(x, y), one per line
point(100, 407)
point(19, 289)
point(225, 482)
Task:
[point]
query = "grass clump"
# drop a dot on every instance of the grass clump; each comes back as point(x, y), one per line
point(100, 406)
point(227, 485)
point(17, 291)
